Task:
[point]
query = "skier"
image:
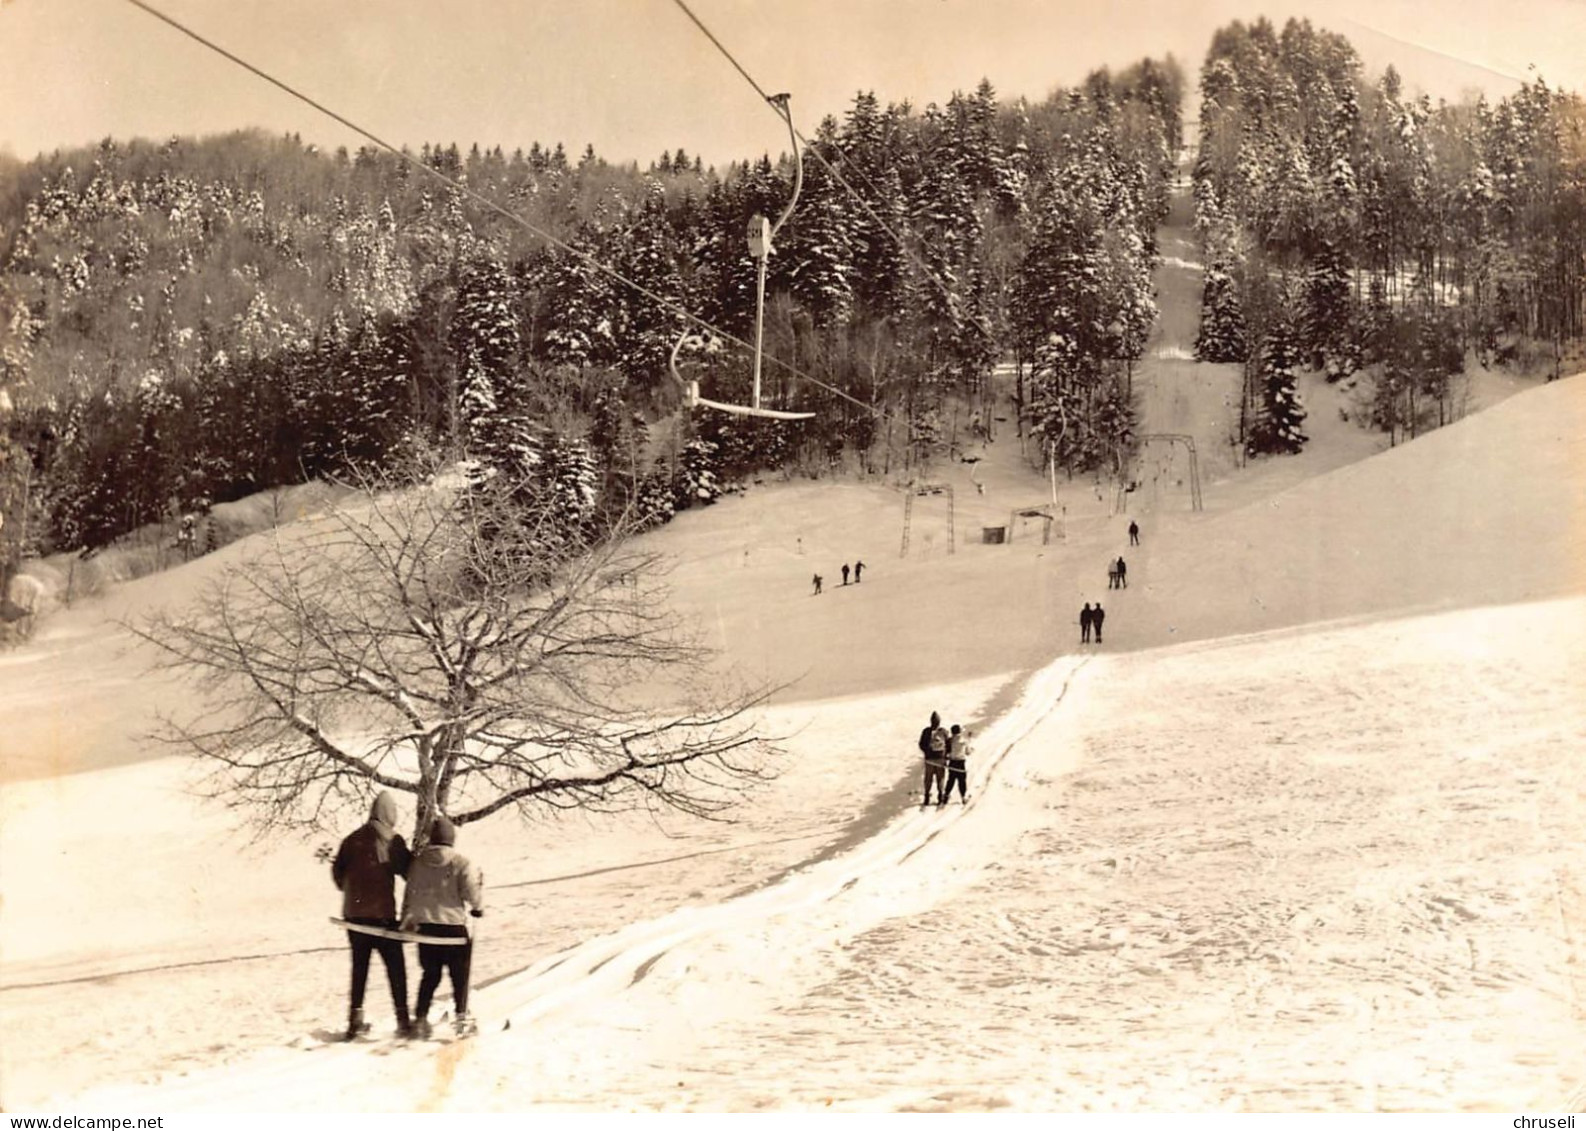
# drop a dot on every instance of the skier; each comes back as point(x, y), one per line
point(859, 568)
point(1097, 615)
point(1134, 533)
point(845, 573)
point(957, 764)
point(444, 889)
point(1112, 575)
point(933, 744)
point(817, 592)
point(365, 871)
point(1087, 617)
point(1123, 574)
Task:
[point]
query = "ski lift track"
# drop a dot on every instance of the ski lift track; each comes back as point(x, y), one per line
point(311, 951)
point(615, 963)
point(547, 987)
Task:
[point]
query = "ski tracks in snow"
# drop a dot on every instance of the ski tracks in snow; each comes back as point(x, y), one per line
point(610, 964)
point(589, 981)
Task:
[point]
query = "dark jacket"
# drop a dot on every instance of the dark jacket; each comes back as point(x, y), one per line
point(937, 755)
point(443, 883)
point(368, 863)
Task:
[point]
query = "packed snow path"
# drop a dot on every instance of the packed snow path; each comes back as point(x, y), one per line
point(592, 979)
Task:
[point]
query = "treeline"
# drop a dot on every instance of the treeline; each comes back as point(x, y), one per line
point(186, 323)
point(1356, 229)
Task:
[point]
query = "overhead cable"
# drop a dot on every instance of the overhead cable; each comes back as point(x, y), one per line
point(483, 200)
point(903, 245)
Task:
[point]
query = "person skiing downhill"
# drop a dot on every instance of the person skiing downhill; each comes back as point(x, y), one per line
point(859, 569)
point(933, 744)
point(365, 870)
point(845, 573)
point(1134, 533)
point(444, 889)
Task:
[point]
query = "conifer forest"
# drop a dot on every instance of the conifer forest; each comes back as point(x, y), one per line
point(188, 321)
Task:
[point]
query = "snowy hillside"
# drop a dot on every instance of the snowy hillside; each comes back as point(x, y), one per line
point(1316, 866)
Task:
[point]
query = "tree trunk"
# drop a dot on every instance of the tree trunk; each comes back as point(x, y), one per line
point(429, 805)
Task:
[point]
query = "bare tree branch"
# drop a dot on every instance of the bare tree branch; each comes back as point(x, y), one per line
point(457, 641)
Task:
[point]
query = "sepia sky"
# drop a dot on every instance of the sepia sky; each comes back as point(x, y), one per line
point(635, 77)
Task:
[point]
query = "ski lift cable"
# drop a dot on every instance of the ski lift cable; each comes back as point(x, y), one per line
point(830, 168)
point(484, 201)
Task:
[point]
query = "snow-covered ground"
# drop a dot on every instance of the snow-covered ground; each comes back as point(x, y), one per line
point(1302, 834)
point(1333, 869)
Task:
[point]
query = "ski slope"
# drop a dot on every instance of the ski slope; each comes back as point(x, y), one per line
point(1319, 864)
point(1302, 835)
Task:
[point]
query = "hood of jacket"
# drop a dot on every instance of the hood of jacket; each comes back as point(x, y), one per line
point(384, 810)
point(436, 855)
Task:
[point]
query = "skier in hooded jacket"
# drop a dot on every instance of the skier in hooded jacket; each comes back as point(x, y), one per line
point(444, 889)
point(365, 869)
point(933, 744)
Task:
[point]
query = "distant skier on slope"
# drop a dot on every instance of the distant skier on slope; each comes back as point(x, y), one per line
point(817, 592)
point(933, 744)
point(1134, 533)
point(845, 573)
point(859, 568)
point(1087, 618)
point(957, 764)
point(444, 889)
point(365, 870)
point(1123, 573)
point(1098, 614)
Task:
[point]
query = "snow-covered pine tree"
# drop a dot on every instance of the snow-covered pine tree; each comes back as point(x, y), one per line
point(870, 140)
point(1326, 326)
point(696, 484)
point(819, 243)
point(1063, 320)
point(568, 471)
point(617, 436)
point(645, 331)
point(374, 383)
point(656, 500)
point(579, 307)
point(486, 349)
point(1280, 414)
point(1222, 330)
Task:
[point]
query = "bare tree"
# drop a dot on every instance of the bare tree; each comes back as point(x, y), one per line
point(463, 642)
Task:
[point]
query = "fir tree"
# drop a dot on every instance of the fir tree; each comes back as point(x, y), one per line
point(697, 483)
point(568, 471)
point(485, 345)
point(646, 331)
point(1327, 333)
point(1280, 413)
point(819, 244)
point(1222, 328)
